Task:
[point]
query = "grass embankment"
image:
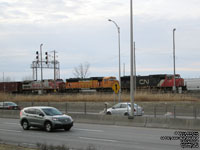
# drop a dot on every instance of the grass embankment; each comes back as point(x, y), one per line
point(42, 147)
point(13, 147)
point(94, 97)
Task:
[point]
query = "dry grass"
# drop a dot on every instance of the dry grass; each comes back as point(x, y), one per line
point(94, 97)
point(13, 147)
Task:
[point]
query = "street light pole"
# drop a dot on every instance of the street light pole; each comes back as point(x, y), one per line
point(118, 29)
point(131, 64)
point(174, 87)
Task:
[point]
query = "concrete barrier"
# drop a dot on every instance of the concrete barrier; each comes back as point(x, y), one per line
point(9, 113)
point(169, 123)
point(109, 119)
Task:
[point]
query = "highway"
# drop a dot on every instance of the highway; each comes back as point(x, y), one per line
point(101, 137)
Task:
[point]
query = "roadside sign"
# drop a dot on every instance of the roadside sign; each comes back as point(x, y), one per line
point(116, 87)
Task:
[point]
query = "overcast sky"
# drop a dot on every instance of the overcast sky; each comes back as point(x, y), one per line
point(80, 32)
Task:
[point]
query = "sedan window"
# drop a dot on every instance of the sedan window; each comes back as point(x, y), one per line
point(123, 106)
point(117, 106)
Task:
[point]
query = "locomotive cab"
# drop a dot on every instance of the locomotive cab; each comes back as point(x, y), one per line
point(109, 81)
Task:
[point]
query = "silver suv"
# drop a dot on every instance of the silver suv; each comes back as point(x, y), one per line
point(48, 118)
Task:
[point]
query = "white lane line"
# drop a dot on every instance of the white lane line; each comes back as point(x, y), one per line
point(30, 144)
point(96, 139)
point(11, 123)
point(88, 130)
point(10, 130)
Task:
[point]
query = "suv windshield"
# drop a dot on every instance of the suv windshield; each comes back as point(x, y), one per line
point(51, 111)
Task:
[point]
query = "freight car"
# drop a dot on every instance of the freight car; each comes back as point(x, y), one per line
point(100, 84)
point(157, 81)
point(47, 86)
point(11, 87)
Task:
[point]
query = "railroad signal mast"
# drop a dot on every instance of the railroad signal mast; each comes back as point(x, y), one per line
point(49, 62)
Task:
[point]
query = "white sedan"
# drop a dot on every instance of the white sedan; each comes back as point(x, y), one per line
point(125, 109)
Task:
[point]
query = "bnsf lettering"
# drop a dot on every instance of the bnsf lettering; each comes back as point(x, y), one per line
point(143, 81)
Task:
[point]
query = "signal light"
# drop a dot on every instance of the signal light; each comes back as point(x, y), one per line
point(46, 53)
point(37, 56)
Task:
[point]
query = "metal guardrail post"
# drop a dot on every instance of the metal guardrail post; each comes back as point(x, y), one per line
point(174, 112)
point(166, 109)
point(106, 107)
point(195, 112)
point(66, 107)
point(85, 107)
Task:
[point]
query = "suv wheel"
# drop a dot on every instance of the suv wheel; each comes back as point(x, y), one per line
point(25, 125)
point(48, 127)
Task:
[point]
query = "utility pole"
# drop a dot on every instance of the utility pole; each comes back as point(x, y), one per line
point(3, 83)
point(41, 68)
point(135, 81)
point(41, 61)
point(131, 64)
point(54, 52)
point(124, 69)
point(174, 87)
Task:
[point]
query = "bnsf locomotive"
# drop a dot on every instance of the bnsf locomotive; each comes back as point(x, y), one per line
point(158, 82)
point(103, 84)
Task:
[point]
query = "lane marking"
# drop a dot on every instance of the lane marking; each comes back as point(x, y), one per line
point(30, 144)
point(10, 130)
point(88, 130)
point(11, 123)
point(96, 139)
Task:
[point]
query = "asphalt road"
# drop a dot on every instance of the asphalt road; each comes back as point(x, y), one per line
point(103, 137)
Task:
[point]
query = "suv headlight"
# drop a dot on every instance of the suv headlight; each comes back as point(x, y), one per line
point(55, 119)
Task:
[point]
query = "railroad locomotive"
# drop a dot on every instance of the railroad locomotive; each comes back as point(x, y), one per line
point(100, 84)
point(154, 82)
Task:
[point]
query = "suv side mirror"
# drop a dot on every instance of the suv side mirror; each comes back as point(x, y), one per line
point(42, 115)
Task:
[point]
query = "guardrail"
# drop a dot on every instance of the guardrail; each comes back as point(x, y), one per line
point(169, 123)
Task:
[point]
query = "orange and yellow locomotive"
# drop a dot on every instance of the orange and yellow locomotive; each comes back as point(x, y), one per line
point(103, 84)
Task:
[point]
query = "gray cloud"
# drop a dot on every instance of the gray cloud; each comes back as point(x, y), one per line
point(79, 31)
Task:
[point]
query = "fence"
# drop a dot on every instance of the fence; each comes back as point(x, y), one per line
point(172, 110)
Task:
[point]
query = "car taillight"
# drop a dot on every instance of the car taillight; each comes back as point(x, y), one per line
point(20, 113)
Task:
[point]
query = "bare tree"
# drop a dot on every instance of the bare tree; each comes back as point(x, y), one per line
point(82, 70)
